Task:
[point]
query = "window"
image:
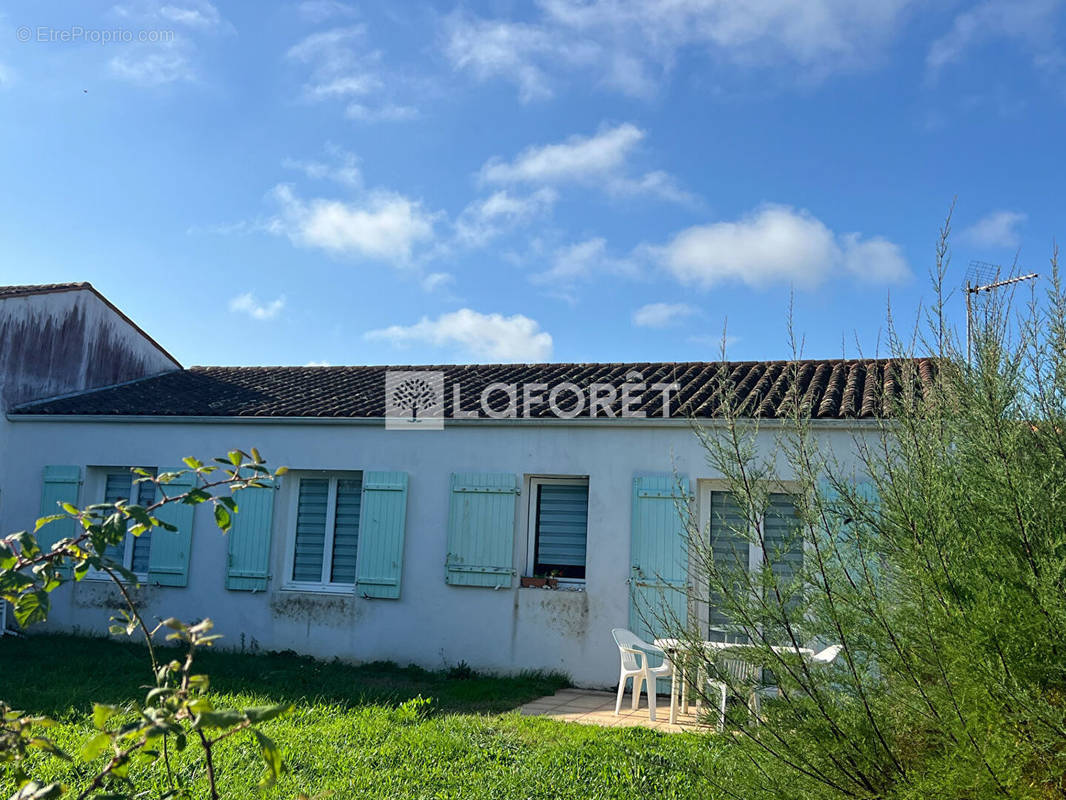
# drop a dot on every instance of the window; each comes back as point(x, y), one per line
point(326, 531)
point(735, 553)
point(558, 526)
point(118, 484)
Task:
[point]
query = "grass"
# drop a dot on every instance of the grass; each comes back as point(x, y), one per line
point(352, 735)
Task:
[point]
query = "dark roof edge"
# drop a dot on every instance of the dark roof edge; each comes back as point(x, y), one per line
point(78, 392)
point(502, 364)
point(86, 286)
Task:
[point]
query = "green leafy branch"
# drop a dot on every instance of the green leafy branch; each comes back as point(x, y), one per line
point(177, 708)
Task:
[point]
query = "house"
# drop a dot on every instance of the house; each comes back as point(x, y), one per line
point(418, 497)
point(60, 338)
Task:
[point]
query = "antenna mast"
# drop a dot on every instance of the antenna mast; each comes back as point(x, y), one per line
point(984, 277)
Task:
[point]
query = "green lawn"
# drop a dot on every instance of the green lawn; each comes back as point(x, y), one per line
point(349, 735)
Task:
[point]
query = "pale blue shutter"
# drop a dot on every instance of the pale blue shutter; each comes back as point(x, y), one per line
point(60, 486)
point(842, 531)
point(248, 540)
point(312, 510)
point(381, 534)
point(168, 561)
point(481, 529)
point(659, 555)
point(346, 530)
point(729, 549)
point(562, 529)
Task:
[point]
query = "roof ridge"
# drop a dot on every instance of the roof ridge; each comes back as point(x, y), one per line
point(558, 364)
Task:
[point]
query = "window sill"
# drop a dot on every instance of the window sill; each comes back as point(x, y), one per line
point(319, 588)
point(577, 586)
point(142, 579)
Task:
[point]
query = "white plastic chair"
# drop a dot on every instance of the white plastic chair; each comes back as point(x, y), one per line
point(633, 652)
point(827, 656)
point(744, 672)
point(739, 673)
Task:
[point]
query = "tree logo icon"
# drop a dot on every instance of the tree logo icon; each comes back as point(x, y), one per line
point(414, 400)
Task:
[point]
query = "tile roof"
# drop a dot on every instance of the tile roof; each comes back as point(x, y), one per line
point(831, 389)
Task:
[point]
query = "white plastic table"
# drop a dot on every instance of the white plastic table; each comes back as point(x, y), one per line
point(679, 680)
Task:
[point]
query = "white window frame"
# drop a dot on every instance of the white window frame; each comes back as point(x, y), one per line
point(324, 585)
point(756, 556)
point(96, 486)
point(533, 484)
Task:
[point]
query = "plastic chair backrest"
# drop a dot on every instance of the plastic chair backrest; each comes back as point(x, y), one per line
point(827, 656)
point(626, 638)
point(738, 670)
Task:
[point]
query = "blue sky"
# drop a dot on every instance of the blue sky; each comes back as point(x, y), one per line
point(563, 180)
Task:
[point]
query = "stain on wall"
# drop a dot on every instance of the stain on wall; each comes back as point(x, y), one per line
point(52, 344)
point(320, 609)
point(104, 594)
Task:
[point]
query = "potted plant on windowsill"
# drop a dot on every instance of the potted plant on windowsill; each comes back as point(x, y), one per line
point(549, 581)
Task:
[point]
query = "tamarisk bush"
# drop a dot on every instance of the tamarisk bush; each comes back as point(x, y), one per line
point(939, 565)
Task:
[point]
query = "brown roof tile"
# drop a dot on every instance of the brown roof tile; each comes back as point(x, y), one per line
point(830, 389)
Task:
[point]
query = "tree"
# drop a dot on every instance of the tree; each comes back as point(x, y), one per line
point(416, 394)
point(940, 567)
point(178, 709)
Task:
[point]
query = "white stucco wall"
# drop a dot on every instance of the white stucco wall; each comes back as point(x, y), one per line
point(58, 342)
point(432, 623)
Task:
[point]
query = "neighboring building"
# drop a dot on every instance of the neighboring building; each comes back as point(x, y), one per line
point(60, 338)
point(410, 545)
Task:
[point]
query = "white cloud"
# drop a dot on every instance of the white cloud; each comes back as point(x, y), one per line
point(316, 11)
point(6, 76)
point(630, 45)
point(500, 212)
point(344, 168)
point(387, 112)
point(662, 315)
point(776, 244)
point(578, 157)
point(247, 304)
point(153, 65)
point(192, 14)
point(995, 229)
point(436, 281)
point(169, 60)
point(339, 61)
point(490, 49)
point(874, 260)
point(601, 160)
point(318, 364)
point(1032, 23)
point(344, 68)
point(483, 337)
point(579, 262)
point(382, 226)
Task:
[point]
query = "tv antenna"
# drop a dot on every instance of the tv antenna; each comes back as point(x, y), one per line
point(982, 277)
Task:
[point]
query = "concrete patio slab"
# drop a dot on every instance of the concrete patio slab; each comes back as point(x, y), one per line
point(589, 707)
